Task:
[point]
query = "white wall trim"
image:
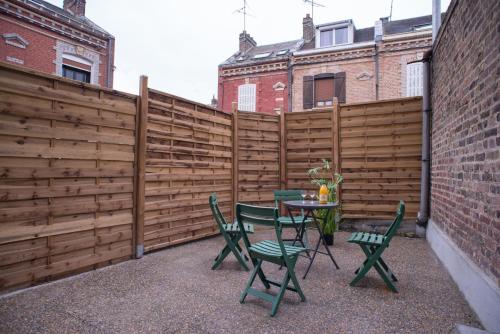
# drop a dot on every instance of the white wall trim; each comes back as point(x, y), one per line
point(480, 291)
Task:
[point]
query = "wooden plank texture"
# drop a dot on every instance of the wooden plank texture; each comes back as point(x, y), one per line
point(67, 176)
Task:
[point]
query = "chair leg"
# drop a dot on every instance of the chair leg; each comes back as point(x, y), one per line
point(255, 271)
point(281, 293)
point(294, 279)
point(386, 267)
point(221, 256)
point(371, 259)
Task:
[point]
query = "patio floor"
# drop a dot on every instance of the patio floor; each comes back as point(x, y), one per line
point(174, 291)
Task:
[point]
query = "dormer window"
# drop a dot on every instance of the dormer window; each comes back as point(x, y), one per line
point(334, 34)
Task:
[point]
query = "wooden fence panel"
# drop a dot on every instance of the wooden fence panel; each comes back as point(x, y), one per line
point(308, 141)
point(188, 156)
point(66, 176)
point(258, 168)
point(380, 145)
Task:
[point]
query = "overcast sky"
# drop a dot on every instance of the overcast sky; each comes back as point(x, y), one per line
point(178, 44)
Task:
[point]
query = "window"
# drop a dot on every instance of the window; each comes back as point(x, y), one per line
point(326, 38)
point(323, 92)
point(414, 79)
point(246, 97)
point(341, 36)
point(262, 55)
point(319, 90)
point(334, 36)
point(76, 74)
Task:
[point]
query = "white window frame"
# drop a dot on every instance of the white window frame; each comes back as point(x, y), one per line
point(414, 79)
point(247, 94)
point(332, 28)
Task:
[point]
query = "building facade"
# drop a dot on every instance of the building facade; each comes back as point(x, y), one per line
point(60, 41)
point(330, 60)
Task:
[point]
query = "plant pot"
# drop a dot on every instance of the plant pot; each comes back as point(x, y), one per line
point(329, 239)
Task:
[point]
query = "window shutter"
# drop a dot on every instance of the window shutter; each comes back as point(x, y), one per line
point(308, 93)
point(339, 86)
point(246, 97)
point(414, 79)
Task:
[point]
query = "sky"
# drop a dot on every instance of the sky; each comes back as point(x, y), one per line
point(179, 44)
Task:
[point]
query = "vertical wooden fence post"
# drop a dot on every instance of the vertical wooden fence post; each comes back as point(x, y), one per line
point(336, 141)
point(141, 165)
point(283, 180)
point(234, 109)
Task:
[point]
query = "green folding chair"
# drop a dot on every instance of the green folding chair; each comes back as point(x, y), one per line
point(270, 251)
point(232, 235)
point(373, 245)
point(286, 221)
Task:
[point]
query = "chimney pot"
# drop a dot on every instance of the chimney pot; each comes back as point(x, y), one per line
point(75, 7)
point(246, 42)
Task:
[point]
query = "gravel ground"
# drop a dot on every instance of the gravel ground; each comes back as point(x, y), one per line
point(174, 291)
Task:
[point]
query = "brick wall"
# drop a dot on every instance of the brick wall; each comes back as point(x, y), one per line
point(40, 53)
point(267, 98)
point(465, 182)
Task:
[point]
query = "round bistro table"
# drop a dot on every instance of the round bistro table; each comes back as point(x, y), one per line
point(308, 207)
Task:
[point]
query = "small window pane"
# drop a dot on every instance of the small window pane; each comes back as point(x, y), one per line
point(326, 38)
point(341, 35)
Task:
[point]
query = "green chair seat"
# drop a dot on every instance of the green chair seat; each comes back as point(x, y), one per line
point(236, 228)
point(272, 248)
point(366, 238)
point(287, 220)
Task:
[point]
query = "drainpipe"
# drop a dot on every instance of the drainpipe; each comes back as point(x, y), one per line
point(111, 64)
point(377, 71)
point(436, 18)
point(423, 213)
point(290, 81)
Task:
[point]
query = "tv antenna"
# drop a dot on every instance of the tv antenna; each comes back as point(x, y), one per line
point(313, 4)
point(390, 15)
point(243, 10)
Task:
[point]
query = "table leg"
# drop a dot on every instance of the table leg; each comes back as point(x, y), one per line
point(320, 239)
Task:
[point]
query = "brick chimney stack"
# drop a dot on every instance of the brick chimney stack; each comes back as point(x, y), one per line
point(246, 42)
point(308, 32)
point(75, 7)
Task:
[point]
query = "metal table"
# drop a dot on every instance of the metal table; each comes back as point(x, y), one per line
point(309, 207)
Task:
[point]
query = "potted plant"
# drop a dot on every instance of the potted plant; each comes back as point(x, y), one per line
point(324, 175)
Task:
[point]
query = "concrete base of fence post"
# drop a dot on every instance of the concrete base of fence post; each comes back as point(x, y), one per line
point(139, 251)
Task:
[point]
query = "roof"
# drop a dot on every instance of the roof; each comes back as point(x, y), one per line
point(406, 25)
point(263, 53)
point(360, 36)
point(64, 13)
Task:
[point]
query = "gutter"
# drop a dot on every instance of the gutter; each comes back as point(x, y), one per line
point(423, 213)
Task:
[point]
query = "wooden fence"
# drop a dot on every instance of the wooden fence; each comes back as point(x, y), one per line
point(66, 177)
point(257, 170)
point(376, 146)
point(90, 176)
point(188, 155)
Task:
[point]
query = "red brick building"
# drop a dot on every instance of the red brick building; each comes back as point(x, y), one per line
point(256, 77)
point(330, 60)
point(61, 41)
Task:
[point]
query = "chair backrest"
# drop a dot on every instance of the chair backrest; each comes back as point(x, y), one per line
point(286, 195)
point(391, 231)
point(218, 217)
point(258, 215)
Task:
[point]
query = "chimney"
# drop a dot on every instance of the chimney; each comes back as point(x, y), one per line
point(246, 42)
point(308, 32)
point(75, 7)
